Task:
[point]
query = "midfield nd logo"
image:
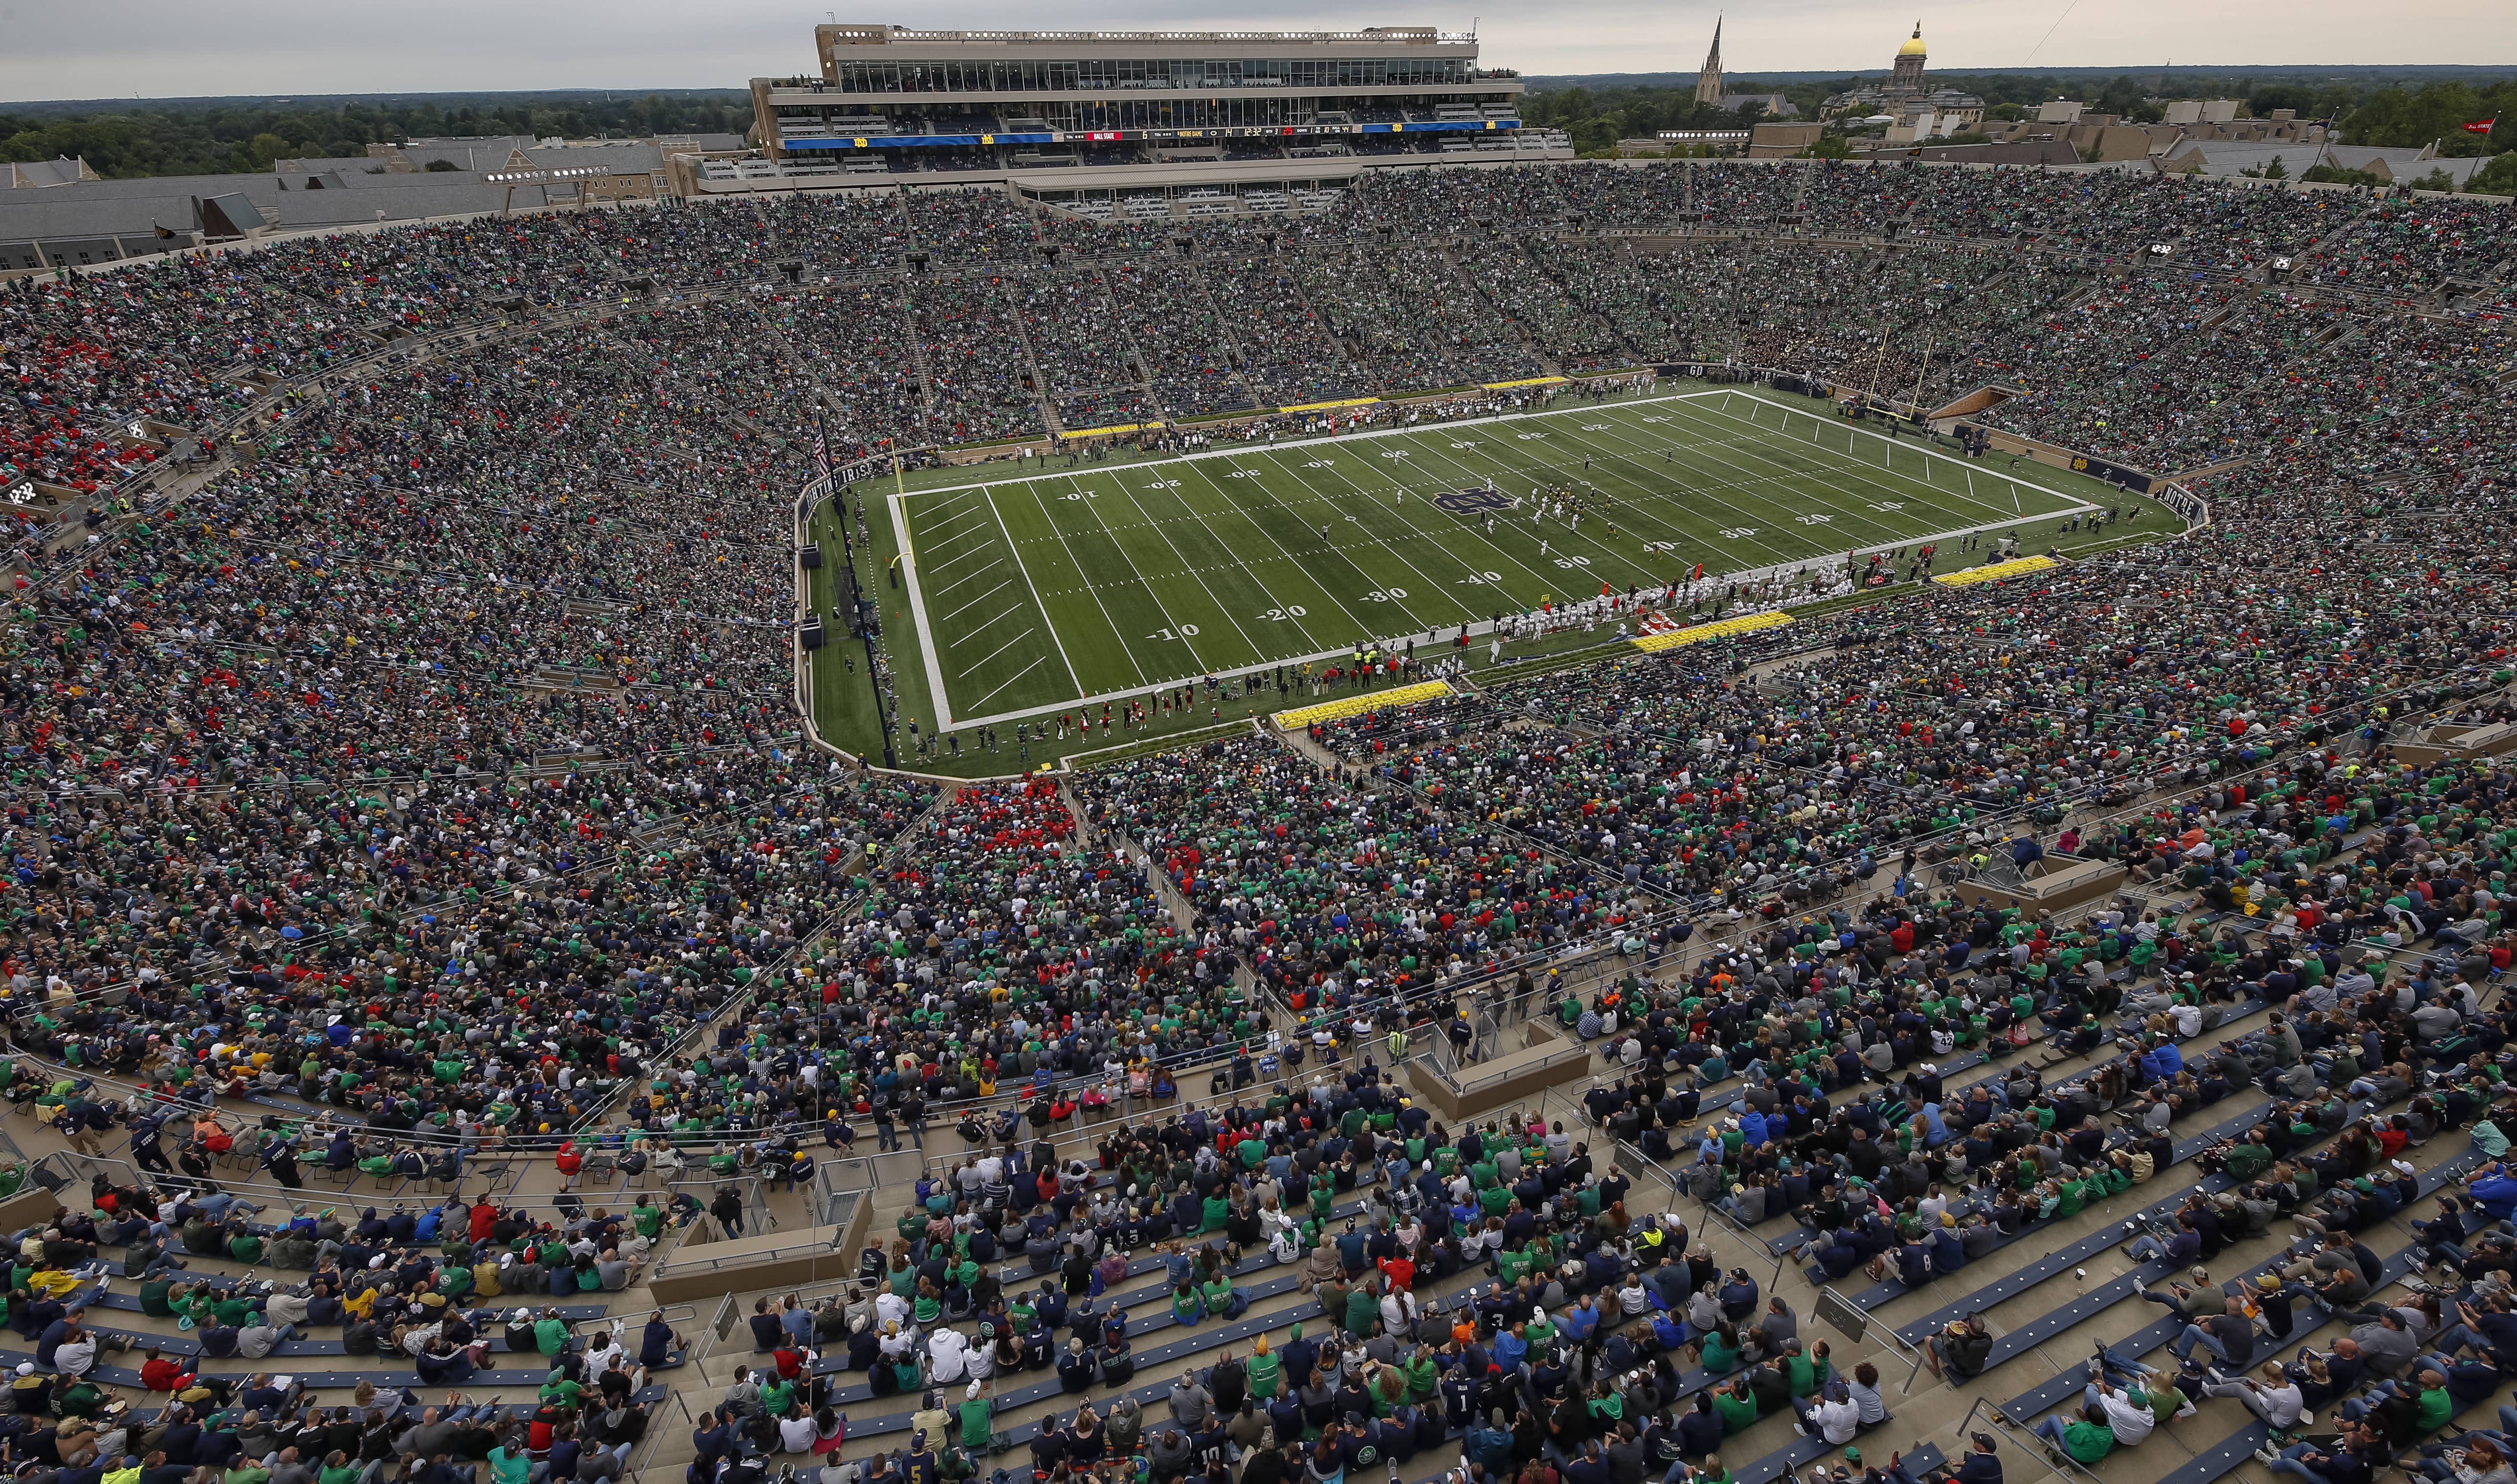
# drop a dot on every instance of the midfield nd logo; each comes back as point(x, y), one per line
point(1472, 501)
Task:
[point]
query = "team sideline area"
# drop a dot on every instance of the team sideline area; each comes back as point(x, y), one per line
point(448, 886)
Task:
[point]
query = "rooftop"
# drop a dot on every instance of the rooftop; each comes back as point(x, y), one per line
point(878, 35)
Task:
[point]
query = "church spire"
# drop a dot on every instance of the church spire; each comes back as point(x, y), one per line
point(1708, 82)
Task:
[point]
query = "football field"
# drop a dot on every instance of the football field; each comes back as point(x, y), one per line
point(1033, 591)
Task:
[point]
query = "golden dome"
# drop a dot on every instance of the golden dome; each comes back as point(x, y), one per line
point(1914, 47)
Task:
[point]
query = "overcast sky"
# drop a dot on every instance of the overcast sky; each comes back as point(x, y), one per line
point(52, 49)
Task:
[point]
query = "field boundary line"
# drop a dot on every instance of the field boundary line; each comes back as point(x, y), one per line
point(936, 692)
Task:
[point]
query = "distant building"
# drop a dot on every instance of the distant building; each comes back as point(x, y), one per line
point(1775, 104)
point(1708, 81)
point(1782, 140)
point(1074, 115)
point(1906, 97)
point(34, 174)
point(1907, 77)
point(2201, 111)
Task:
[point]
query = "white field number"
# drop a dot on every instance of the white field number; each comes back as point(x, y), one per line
point(1816, 520)
point(1887, 504)
point(1163, 484)
point(1289, 611)
point(1384, 595)
point(1572, 562)
point(1738, 533)
point(1320, 463)
point(1480, 578)
point(1186, 632)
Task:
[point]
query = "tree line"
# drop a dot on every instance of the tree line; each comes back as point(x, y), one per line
point(221, 138)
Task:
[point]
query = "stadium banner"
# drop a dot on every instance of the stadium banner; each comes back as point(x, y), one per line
point(2188, 506)
point(1526, 381)
point(2016, 567)
point(915, 141)
point(1357, 706)
point(2134, 480)
point(1114, 428)
point(1324, 406)
point(1718, 628)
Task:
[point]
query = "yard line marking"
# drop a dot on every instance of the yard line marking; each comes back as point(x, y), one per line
point(945, 510)
point(1017, 675)
point(1432, 585)
point(1818, 485)
point(1715, 544)
point(1577, 575)
point(1298, 627)
point(2070, 503)
point(1124, 648)
point(1001, 649)
point(967, 607)
point(1325, 441)
point(1219, 606)
point(1046, 618)
point(964, 556)
point(939, 538)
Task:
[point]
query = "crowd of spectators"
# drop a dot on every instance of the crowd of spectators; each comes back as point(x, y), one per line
point(489, 647)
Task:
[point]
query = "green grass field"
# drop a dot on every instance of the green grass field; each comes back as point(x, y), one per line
point(1032, 593)
point(1014, 591)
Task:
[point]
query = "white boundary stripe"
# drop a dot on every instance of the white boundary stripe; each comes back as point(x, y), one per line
point(917, 604)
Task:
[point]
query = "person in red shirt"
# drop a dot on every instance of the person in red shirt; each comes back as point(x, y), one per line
point(158, 1373)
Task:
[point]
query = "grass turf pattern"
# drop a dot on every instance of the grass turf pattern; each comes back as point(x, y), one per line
point(1089, 583)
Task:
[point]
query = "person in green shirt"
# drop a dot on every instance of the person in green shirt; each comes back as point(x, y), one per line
point(509, 1463)
point(550, 1333)
point(557, 1387)
point(1737, 1406)
point(2086, 1438)
point(1224, 1300)
point(1265, 1372)
point(2433, 1408)
point(1721, 1353)
point(1363, 1311)
point(1186, 1309)
point(978, 1416)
